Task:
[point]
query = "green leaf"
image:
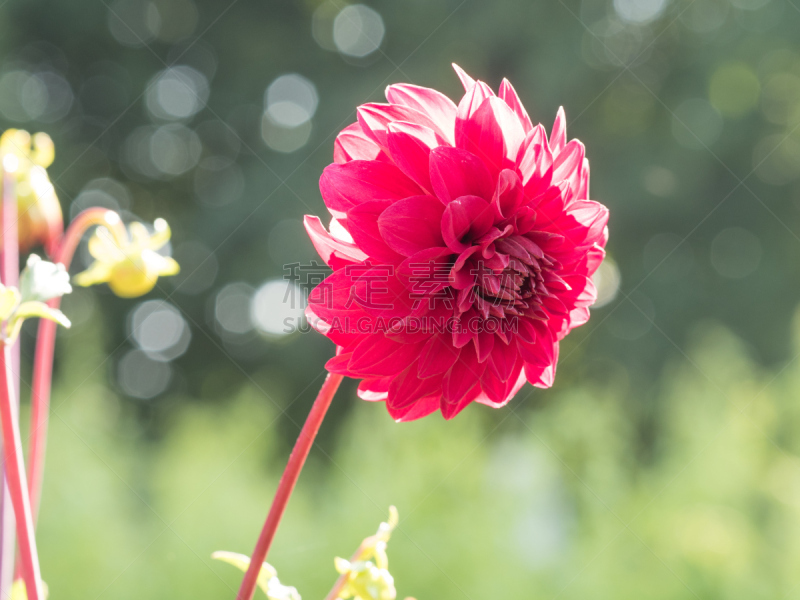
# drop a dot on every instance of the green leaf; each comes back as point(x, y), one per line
point(34, 308)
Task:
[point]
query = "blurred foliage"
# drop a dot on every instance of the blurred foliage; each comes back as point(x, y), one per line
point(556, 502)
point(664, 459)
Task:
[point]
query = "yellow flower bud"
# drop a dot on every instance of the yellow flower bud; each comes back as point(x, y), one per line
point(40, 219)
point(366, 576)
point(130, 267)
point(365, 581)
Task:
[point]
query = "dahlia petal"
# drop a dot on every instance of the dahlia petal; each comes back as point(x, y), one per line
point(381, 293)
point(374, 390)
point(583, 223)
point(467, 81)
point(412, 224)
point(568, 163)
point(338, 364)
point(437, 356)
point(377, 356)
point(583, 293)
point(326, 245)
point(499, 397)
point(436, 105)
point(525, 220)
point(484, 342)
point(465, 220)
point(508, 196)
point(353, 144)
point(465, 330)
point(493, 133)
point(503, 359)
point(539, 353)
point(362, 222)
point(578, 317)
point(410, 146)
point(582, 192)
point(471, 101)
point(455, 172)
point(542, 377)
point(459, 381)
point(558, 137)
point(549, 206)
point(336, 330)
point(332, 298)
point(421, 408)
point(535, 161)
point(513, 131)
point(345, 186)
point(462, 275)
point(427, 271)
point(375, 118)
point(509, 95)
point(408, 387)
point(594, 257)
point(555, 306)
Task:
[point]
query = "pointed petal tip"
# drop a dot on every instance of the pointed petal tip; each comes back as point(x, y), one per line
point(467, 81)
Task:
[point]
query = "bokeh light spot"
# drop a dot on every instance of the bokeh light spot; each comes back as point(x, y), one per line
point(607, 280)
point(159, 330)
point(140, 376)
point(734, 89)
point(358, 30)
point(232, 308)
point(277, 307)
point(177, 93)
point(639, 11)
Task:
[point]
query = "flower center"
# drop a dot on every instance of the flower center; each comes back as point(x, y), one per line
point(510, 279)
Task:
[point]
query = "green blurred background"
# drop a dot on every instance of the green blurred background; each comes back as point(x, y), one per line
point(664, 462)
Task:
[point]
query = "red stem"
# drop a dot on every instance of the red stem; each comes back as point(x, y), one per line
point(17, 484)
point(9, 273)
point(45, 346)
point(288, 480)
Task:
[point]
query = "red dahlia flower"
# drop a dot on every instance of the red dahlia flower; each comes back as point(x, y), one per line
point(462, 246)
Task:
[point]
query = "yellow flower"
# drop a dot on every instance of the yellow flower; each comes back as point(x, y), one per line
point(365, 581)
point(130, 269)
point(366, 574)
point(40, 219)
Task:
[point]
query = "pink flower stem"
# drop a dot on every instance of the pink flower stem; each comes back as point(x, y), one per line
point(45, 346)
point(9, 274)
point(288, 480)
point(17, 484)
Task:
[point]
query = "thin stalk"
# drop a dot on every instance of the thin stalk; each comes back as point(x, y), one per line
point(9, 274)
point(288, 480)
point(46, 341)
point(17, 484)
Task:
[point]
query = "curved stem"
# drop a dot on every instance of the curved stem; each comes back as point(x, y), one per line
point(9, 274)
point(45, 345)
point(15, 473)
point(288, 480)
